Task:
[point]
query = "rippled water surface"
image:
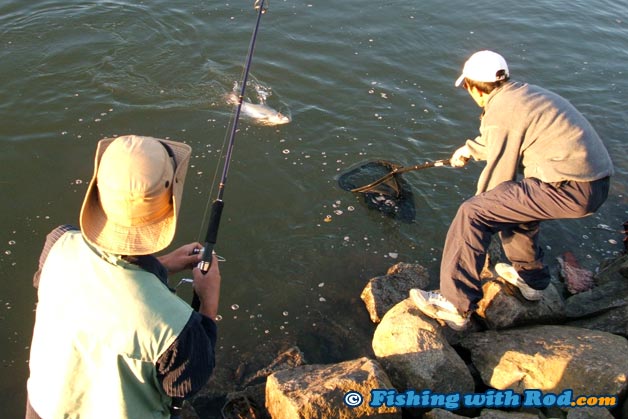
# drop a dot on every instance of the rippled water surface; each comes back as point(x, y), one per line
point(360, 80)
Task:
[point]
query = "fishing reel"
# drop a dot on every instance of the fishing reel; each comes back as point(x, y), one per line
point(202, 249)
point(200, 265)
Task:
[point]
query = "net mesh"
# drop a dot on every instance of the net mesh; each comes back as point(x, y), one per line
point(392, 197)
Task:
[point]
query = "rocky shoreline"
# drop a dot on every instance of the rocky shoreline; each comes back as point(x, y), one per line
point(520, 359)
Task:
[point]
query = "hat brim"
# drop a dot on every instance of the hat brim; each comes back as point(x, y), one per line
point(459, 80)
point(101, 232)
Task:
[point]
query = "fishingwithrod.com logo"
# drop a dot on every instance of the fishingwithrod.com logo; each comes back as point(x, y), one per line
point(492, 398)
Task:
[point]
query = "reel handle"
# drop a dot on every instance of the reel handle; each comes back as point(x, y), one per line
point(205, 264)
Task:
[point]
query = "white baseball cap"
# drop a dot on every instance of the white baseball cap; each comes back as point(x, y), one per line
point(484, 66)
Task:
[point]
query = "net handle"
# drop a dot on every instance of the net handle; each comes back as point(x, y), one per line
point(398, 170)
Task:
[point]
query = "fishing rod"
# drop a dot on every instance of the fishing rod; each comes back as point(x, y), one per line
point(218, 204)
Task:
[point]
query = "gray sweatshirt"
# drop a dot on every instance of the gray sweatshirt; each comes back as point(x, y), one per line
point(529, 127)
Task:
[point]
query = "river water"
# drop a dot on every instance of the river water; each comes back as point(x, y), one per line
point(360, 80)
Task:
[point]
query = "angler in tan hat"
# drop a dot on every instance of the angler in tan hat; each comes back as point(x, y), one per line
point(111, 339)
point(544, 161)
point(132, 202)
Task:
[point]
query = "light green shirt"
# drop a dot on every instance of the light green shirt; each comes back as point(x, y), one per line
point(101, 325)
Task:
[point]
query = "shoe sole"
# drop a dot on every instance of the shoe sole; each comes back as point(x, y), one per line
point(435, 313)
point(422, 304)
point(508, 273)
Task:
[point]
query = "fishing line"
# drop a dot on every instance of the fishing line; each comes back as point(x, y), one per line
point(221, 156)
point(217, 204)
point(215, 209)
point(233, 120)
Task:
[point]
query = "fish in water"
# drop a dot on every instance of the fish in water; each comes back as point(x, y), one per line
point(261, 113)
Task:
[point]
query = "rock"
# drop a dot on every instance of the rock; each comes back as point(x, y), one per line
point(188, 412)
point(317, 391)
point(613, 270)
point(235, 380)
point(485, 414)
point(290, 358)
point(383, 292)
point(607, 295)
point(499, 414)
point(589, 413)
point(614, 320)
point(551, 358)
point(576, 278)
point(246, 404)
point(410, 272)
point(412, 353)
point(330, 339)
point(441, 414)
point(503, 306)
point(605, 307)
point(415, 353)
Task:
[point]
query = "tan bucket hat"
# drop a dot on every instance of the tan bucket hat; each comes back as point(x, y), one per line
point(133, 200)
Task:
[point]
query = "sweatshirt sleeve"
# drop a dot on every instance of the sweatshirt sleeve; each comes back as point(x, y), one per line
point(500, 152)
point(187, 365)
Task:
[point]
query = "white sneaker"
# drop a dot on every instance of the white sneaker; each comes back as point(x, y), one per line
point(509, 273)
point(434, 305)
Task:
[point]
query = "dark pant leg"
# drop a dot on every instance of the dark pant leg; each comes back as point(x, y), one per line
point(464, 255)
point(507, 207)
point(521, 245)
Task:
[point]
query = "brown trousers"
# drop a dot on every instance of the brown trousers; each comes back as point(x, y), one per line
point(514, 210)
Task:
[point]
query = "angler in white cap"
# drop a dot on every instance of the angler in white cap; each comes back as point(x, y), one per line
point(543, 161)
point(111, 339)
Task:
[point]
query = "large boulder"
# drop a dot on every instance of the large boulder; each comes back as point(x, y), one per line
point(604, 307)
point(485, 414)
point(613, 320)
point(414, 352)
point(551, 358)
point(503, 306)
point(318, 391)
point(589, 413)
point(383, 292)
point(608, 295)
